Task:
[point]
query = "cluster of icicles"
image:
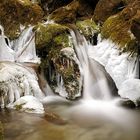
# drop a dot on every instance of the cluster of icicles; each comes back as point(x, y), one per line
point(16, 79)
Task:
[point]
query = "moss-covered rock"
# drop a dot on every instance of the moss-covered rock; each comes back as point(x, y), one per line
point(16, 12)
point(107, 8)
point(75, 10)
point(58, 67)
point(46, 33)
point(122, 27)
point(118, 30)
point(88, 28)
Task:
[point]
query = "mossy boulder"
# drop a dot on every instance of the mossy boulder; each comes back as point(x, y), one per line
point(118, 30)
point(107, 8)
point(88, 28)
point(60, 68)
point(75, 10)
point(46, 33)
point(14, 13)
point(122, 27)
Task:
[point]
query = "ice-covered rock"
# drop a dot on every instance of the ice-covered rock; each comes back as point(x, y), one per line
point(17, 80)
point(28, 104)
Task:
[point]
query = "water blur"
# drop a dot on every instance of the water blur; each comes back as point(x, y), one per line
point(85, 121)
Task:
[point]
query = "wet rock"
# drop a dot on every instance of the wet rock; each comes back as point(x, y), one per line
point(13, 13)
point(75, 10)
point(59, 61)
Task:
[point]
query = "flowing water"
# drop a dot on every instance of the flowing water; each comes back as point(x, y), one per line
point(97, 116)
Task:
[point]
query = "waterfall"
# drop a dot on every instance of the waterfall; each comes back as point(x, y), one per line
point(94, 81)
point(24, 47)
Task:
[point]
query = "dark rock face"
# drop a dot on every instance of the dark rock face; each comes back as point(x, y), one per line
point(73, 11)
point(50, 5)
point(93, 3)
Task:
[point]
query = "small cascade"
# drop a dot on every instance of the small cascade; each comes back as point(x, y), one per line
point(24, 47)
point(95, 85)
point(21, 50)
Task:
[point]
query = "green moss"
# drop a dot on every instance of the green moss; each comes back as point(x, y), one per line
point(46, 33)
point(19, 107)
point(118, 30)
point(87, 27)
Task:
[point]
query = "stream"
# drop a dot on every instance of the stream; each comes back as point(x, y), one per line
point(78, 125)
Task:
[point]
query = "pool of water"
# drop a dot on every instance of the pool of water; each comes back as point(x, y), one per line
point(72, 122)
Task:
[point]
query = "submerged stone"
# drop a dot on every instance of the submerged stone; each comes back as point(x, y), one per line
point(54, 118)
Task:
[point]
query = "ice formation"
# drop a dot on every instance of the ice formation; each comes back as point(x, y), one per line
point(16, 79)
point(121, 66)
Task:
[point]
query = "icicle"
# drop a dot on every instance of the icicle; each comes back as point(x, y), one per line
point(26, 87)
point(11, 94)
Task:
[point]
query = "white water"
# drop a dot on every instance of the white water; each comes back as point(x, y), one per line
point(94, 82)
point(97, 101)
